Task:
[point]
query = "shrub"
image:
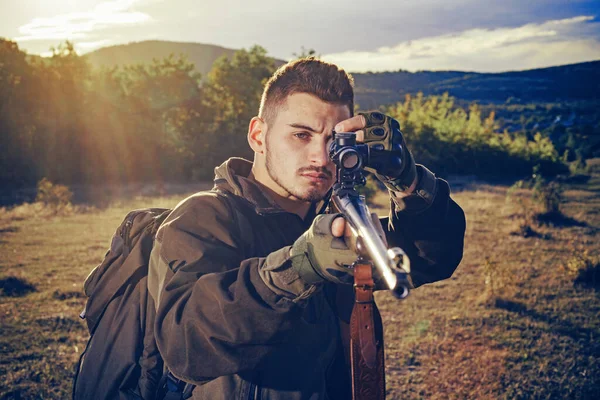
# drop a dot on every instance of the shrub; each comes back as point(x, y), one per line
point(547, 194)
point(54, 195)
point(541, 205)
point(579, 166)
point(585, 269)
point(450, 139)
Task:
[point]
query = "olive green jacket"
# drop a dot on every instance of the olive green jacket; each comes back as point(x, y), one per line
point(221, 327)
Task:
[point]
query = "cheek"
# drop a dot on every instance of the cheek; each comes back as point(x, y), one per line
point(294, 153)
point(285, 156)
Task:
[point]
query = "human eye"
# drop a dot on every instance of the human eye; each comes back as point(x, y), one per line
point(302, 135)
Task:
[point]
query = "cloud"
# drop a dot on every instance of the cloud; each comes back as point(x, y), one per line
point(83, 25)
point(528, 46)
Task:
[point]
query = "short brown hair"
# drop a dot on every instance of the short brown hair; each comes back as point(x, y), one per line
point(327, 81)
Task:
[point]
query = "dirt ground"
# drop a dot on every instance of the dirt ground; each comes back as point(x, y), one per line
point(519, 318)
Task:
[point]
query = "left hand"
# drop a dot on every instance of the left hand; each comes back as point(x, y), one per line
point(390, 159)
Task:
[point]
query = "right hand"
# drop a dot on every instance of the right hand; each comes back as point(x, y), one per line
point(390, 160)
point(321, 253)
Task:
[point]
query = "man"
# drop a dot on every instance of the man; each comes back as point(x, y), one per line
point(248, 305)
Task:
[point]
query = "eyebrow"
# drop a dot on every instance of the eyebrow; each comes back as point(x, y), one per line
point(305, 127)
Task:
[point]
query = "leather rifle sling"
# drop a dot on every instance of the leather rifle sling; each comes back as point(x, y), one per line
point(366, 340)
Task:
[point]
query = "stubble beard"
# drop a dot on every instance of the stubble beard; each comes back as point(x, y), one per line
point(313, 193)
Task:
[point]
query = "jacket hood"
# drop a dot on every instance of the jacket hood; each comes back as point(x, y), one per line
point(234, 176)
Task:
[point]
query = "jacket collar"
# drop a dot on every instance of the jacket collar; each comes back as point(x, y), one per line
point(233, 176)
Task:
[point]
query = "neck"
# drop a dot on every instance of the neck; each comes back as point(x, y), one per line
point(288, 203)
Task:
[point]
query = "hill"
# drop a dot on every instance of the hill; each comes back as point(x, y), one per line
point(202, 55)
point(546, 85)
point(561, 102)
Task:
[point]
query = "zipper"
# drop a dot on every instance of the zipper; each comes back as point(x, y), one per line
point(127, 230)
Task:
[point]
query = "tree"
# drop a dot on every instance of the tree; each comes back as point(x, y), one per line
point(17, 127)
point(306, 53)
point(232, 97)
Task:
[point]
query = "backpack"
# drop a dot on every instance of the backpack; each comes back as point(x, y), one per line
point(121, 359)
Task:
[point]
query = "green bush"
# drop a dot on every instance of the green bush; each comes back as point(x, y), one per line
point(548, 195)
point(450, 139)
point(539, 205)
point(585, 269)
point(54, 195)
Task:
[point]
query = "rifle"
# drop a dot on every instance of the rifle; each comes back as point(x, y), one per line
point(391, 267)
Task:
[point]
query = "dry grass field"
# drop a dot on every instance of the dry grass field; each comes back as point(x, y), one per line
point(519, 318)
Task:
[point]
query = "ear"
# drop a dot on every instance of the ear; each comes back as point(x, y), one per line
point(256, 134)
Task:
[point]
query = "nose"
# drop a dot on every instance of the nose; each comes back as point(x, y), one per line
point(319, 156)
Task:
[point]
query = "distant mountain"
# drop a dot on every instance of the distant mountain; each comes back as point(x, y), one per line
point(543, 85)
point(202, 55)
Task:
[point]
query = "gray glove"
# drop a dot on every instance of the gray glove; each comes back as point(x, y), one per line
point(390, 159)
point(319, 256)
point(297, 271)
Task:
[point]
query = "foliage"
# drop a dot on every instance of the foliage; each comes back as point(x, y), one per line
point(233, 90)
point(66, 121)
point(305, 53)
point(572, 125)
point(370, 188)
point(18, 84)
point(579, 166)
point(52, 194)
point(547, 194)
point(585, 268)
point(63, 120)
point(537, 200)
point(450, 139)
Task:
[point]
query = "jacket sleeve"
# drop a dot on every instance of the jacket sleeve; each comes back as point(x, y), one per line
point(432, 238)
point(215, 315)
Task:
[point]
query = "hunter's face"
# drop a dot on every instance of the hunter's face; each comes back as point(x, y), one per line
point(297, 143)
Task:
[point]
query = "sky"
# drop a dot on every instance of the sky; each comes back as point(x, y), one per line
point(360, 36)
